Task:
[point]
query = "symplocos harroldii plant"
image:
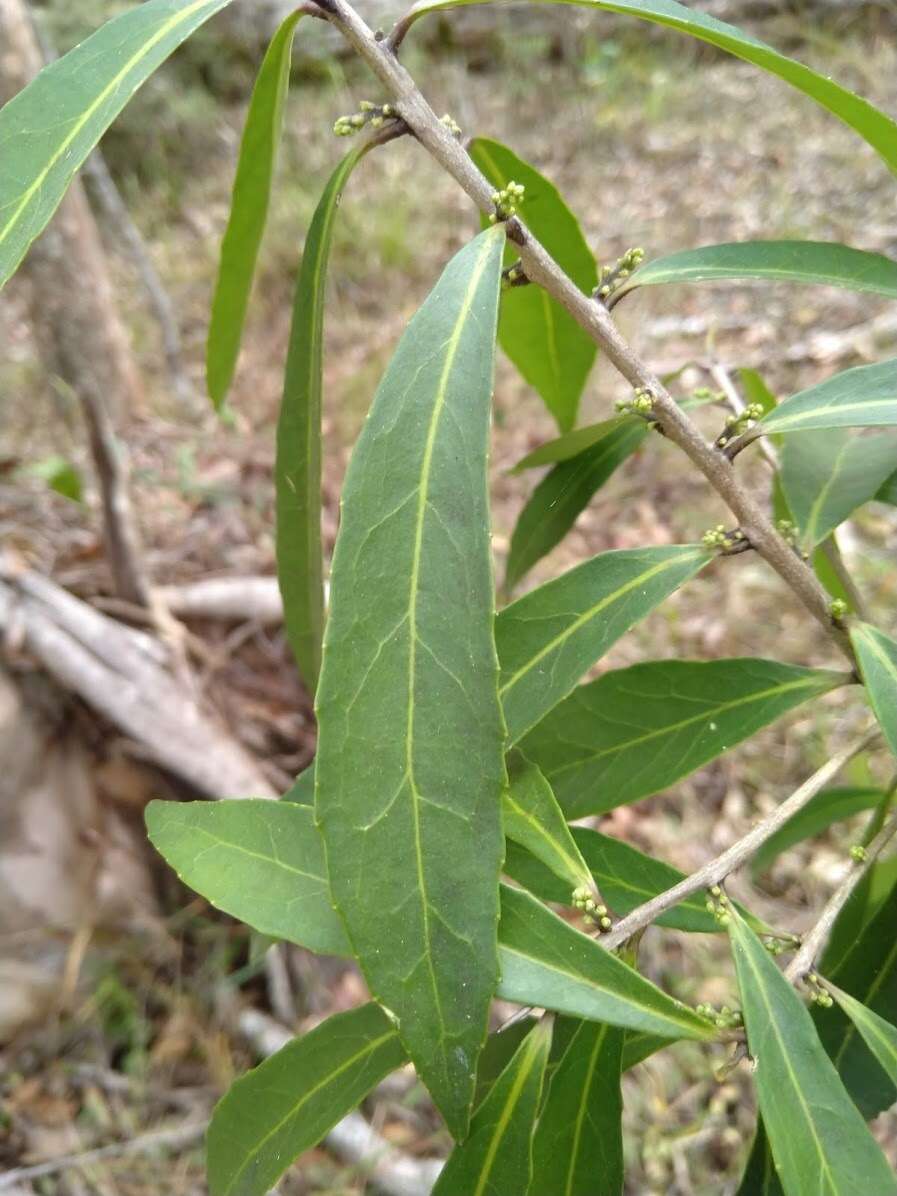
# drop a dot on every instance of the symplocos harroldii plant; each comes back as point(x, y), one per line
point(431, 839)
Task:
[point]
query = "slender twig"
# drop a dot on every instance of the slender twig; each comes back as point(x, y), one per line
point(814, 941)
point(829, 546)
point(718, 869)
point(592, 316)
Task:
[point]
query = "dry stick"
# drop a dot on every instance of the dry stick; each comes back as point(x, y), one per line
point(718, 869)
point(592, 316)
point(830, 549)
point(813, 943)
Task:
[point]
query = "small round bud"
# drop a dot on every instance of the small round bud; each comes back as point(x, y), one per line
point(605, 923)
point(858, 853)
point(838, 608)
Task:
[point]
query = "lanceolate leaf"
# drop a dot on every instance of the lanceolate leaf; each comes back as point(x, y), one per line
point(248, 211)
point(496, 1159)
point(819, 1140)
point(774, 261)
point(532, 817)
point(572, 444)
point(880, 1036)
point(871, 124)
point(545, 962)
point(864, 397)
point(636, 731)
point(297, 469)
point(760, 1178)
point(550, 637)
point(287, 1105)
point(542, 339)
point(578, 1147)
point(260, 861)
point(638, 1046)
point(877, 656)
point(827, 475)
point(565, 492)
point(861, 958)
point(828, 807)
point(50, 127)
point(624, 876)
point(410, 763)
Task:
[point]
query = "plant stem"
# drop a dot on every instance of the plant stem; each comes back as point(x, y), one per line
point(592, 316)
point(814, 942)
point(718, 869)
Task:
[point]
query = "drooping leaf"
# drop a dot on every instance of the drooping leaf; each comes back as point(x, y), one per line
point(542, 339)
point(861, 959)
point(863, 397)
point(410, 763)
point(532, 818)
point(827, 475)
point(287, 1104)
point(879, 1036)
point(260, 861)
point(297, 468)
point(819, 1141)
point(636, 731)
point(578, 1145)
point(545, 962)
point(565, 492)
point(572, 444)
point(872, 125)
point(821, 812)
point(877, 658)
point(823, 262)
point(496, 1159)
point(548, 638)
point(49, 128)
point(248, 211)
point(624, 876)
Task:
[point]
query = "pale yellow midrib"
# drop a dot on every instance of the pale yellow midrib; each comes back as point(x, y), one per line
point(502, 1123)
point(110, 87)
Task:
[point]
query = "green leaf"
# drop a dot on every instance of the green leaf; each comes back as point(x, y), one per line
point(825, 809)
point(880, 1036)
point(496, 1160)
point(542, 339)
point(50, 127)
point(823, 262)
point(578, 1146)
point(302, 790)
point(410, 764)
point(636, 731)
point(819, 558)
point(638, 1046)
point(572, 444)
point(532, 818)
point(888, 492)
point(259, 861)
point(872, 125)
point(827, 475)
point(287, 1105)
point(495, 1056)
point(297, 469)
point(819, 1140)
point(566, 491)
point(755, 388)
point(624, 876)
point(864, 397)
point(551, 636)
point(248, 211)
point(877, 658)
point(545, 962)
point(760, 1178)
point(60, 475)
point(861, 958)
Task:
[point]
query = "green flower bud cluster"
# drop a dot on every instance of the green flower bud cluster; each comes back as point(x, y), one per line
point(610, 277)
point(514, 276)
point(703, 394)
point(451, 124)
point(818, 995)
point(858, 853)
point(725, 541)
point(718, 905)
point(723, 1018)
point(838, 608)
point(506, 201)
point(736, 424)
point(642, 403)
point(368, 114)
point(597, 914)
point(777, 944)
point(787, 530)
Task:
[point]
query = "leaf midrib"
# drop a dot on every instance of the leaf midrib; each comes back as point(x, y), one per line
point(502, 1123)
point(79, 124)
point(581, 1111)
point(799, 417)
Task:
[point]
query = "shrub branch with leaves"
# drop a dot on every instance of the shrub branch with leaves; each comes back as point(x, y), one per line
point(456, 744)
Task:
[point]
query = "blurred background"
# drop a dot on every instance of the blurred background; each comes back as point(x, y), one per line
point(127, 1004)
